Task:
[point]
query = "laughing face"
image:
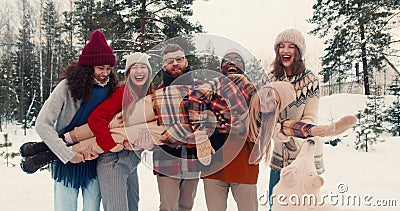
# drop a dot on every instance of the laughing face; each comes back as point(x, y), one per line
point(101, 72)
point(139, 74)
point(175, 63)
point(287, 53)
point(232, 63)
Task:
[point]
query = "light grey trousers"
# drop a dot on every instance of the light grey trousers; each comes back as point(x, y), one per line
point(119, 186)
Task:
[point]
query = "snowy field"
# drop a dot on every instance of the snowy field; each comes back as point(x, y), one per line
point(371, 176)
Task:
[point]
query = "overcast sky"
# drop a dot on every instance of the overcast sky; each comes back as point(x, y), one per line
point(256, 23)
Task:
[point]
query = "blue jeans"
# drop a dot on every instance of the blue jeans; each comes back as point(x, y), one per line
point(66, 198)
point(274, 177)
point(118, 180)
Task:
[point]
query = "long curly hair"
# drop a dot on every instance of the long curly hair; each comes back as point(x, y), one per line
point(278, 68)
point(81, 80)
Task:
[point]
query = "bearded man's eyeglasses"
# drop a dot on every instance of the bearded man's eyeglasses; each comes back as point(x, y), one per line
point(179, 59)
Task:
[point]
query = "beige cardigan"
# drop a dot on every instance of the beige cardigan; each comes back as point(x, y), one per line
point(304, 109)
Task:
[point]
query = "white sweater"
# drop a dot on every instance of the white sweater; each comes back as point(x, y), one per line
point(53, 119)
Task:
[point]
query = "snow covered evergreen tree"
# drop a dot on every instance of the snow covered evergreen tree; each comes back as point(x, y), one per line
point(26, 75)
point(51, 52)
point(370, 124)
point(8, 101)
point(392, 114)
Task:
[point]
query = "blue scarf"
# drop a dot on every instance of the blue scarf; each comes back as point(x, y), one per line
point(80, 174)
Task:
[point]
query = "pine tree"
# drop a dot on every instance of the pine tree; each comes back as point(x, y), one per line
point(370, 124)
point(27, 74)
point(136, 25)
point(84, 15)
point(354, 31)
point(254, 70)
point(206, 59)
point(157, 21)
point(67, 29)
point(51, 33)
point(8, 102)
point(392, 114)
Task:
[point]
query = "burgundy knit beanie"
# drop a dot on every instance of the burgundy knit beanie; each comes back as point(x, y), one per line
point(97, 52)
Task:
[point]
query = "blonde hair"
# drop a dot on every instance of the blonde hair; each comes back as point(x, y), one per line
point(133, 93)
point(256, 119)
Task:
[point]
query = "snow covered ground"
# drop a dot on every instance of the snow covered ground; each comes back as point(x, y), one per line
point(371, 177)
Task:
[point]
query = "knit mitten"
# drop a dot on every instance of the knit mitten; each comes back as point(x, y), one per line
point(203, 147)
point(277, 134)
point(344, 123)
point(336, 128)
point(322, 130)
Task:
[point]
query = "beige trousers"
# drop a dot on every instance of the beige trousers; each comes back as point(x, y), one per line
point(216, 192)
point(176, 194)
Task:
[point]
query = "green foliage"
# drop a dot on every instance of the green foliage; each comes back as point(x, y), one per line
point(26, 75)
point(334, 142)
point(150, 22)
point(207, 59)
point(354, 31)
point(392, 114)
point(255, 71)
point(8, 94)
point(370, 124)
point(393, 118)
point(51, 46)
point(5, 153)
point(135, 25)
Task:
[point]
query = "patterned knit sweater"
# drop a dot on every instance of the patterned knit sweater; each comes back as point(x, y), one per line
point(305, 109)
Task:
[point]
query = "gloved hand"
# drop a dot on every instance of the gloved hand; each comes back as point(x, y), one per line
point(203, 147)
point(277, 135)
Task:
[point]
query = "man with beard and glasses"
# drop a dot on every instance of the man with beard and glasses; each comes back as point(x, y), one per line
point(175, 167)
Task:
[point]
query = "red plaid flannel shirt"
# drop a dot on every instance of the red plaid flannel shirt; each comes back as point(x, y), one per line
point(178, 108)
point(175, 159)
point(224, 97)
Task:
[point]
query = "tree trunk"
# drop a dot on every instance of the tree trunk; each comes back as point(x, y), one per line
point(142, 25)
point(364, 54)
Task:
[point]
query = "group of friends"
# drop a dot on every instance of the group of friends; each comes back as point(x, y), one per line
point(94, 129)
